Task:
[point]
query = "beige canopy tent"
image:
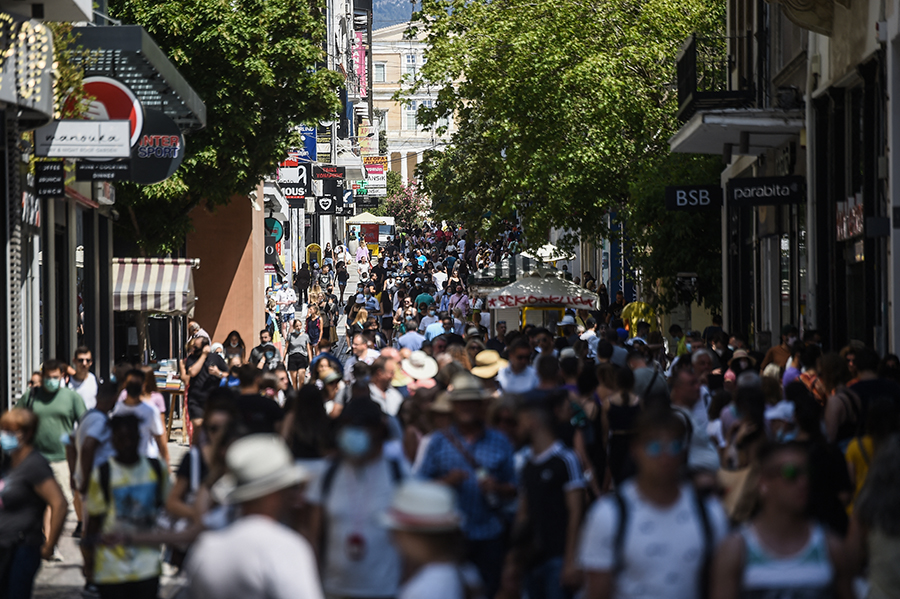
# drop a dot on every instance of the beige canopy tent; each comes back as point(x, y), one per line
point(505, 272)
point(543, 291)
point(549, 253)
point(366, 218)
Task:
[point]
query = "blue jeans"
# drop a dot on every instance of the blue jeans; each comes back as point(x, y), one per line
point(543, 581)
point(23, 567)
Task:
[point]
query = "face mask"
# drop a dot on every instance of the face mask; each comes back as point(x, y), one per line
point(791, 341)
point(134, 389)
point(354, 442)
point(51, 385)
point(687, 346)
point(233, 344)
point(269, 355)
point(730, 348)
point(9, 441)
point(784, 436)
point(431, 313)
point(745, 364)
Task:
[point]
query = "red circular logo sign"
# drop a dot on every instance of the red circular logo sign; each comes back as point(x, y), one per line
point(114, 101)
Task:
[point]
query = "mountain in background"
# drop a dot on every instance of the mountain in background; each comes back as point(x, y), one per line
point(391, 12)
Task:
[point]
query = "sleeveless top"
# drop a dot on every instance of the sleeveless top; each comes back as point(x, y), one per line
point(808, 574)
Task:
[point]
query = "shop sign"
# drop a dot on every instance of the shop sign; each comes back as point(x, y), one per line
point(31, 209)
point(294, 179)
point(343, 210)
point(50, 179)
point(159, 151)
point(271, 252)
point(377, 180)
point(112, 100)
point(117, 170)
point(274, 228)
point(693, 197)
point(333, 187)
point(849, 218)
point(366, 202)
point(325, 205)
point(83, 139)
point(308, 151)
point(374, 161)
point(767, 191)
point(328, 171)
point(377, 192)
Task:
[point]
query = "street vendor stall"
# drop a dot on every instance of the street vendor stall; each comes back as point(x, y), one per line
point(542, 299)
point(549, 253)
point(366, 227)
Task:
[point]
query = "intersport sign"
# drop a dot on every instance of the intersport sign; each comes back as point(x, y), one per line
point(767, 191)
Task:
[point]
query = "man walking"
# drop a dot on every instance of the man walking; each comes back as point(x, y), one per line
point(655, 536)
point(256, 556)
point(519, 376)
point(83, 382)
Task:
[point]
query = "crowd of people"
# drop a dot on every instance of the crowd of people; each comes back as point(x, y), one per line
point(437, 459)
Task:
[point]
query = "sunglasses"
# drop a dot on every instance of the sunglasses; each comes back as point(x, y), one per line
point(791, 472)
point(654, 449)
point(84, 360)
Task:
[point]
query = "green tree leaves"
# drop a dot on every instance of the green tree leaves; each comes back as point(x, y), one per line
point(563, 111)
point(253, 63)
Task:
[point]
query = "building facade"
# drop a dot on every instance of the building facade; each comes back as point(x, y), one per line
point(395, 55)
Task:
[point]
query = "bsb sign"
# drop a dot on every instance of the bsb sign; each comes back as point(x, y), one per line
point(693, 197)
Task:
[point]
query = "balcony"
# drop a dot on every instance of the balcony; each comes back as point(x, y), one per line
point(705, 76)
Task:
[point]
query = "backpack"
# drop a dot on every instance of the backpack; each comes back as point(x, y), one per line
point(707, 535)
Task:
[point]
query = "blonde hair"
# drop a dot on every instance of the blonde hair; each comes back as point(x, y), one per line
point(362, 315)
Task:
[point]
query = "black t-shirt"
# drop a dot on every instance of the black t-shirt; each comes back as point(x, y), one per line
point(260, 413)
point(184, 469)
point(22, 511)
point(545, 481)
point(203, 383)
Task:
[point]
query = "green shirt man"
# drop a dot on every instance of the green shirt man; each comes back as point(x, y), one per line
point(58, 409)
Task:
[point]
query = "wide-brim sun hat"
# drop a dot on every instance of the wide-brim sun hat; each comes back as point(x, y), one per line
point(488, 363)
point(419, 366)
point(466, 387)
point(258, 465)
point(741, 354)
point(423, 506)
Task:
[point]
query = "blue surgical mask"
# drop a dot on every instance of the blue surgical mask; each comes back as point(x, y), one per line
point(9, 442)
point(687, 346)
point(51, 385)
point(354, 442)
point(730, 348)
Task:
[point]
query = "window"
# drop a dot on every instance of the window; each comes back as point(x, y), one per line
point(379, 72)
point(410, 68)
point(409, 116)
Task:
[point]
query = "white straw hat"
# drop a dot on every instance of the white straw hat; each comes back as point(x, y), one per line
point(420, 366)
point(423, 506)
point(257, 466)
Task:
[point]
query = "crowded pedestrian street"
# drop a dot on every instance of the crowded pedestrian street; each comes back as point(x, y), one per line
point(482, 299)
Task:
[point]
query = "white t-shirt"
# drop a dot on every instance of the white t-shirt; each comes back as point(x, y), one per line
point(439, 278)
point(87, 389)
point(93, 424)
point(442, 581)
point(523, 382)
point(352, 518)
point(286, 294)
point(389, 400)
point(254, 557)
point(427, 320)
point(151, 425)
point(662, 552)
point(702, 454)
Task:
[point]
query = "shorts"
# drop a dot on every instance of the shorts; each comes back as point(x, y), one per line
point(63, 477)
point(196, 407)
point(387, 323)
point(297, 362)
point(287, 318)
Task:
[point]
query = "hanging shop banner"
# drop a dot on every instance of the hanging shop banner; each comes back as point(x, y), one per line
point(274, 228)
point(343, 210)
point(333, 187)
point(159, 151)
point(114, 170)
point(271, 252)
point(325, 205)
point(50, 179)
point(693, 197)
point(309, 151)
point(83, 139)
point(328, 171)
point(767, 191)
point(366, 202)
point(323, 144)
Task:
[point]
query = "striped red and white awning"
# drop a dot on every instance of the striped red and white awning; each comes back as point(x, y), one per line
point(155, 285)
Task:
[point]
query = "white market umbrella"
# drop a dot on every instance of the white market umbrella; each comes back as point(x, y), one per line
point(366, 218)
point(536, 291)
point(549, 253)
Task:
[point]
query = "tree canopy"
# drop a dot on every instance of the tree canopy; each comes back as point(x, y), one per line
point(563, 111)
point(253, 62)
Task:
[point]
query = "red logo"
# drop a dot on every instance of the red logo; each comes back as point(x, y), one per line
point(114, 101)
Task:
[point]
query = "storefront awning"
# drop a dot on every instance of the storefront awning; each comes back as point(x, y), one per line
point(155, 285)
point(708, 131)
point(128, 53)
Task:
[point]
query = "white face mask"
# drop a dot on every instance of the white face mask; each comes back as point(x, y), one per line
point(233, 344)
